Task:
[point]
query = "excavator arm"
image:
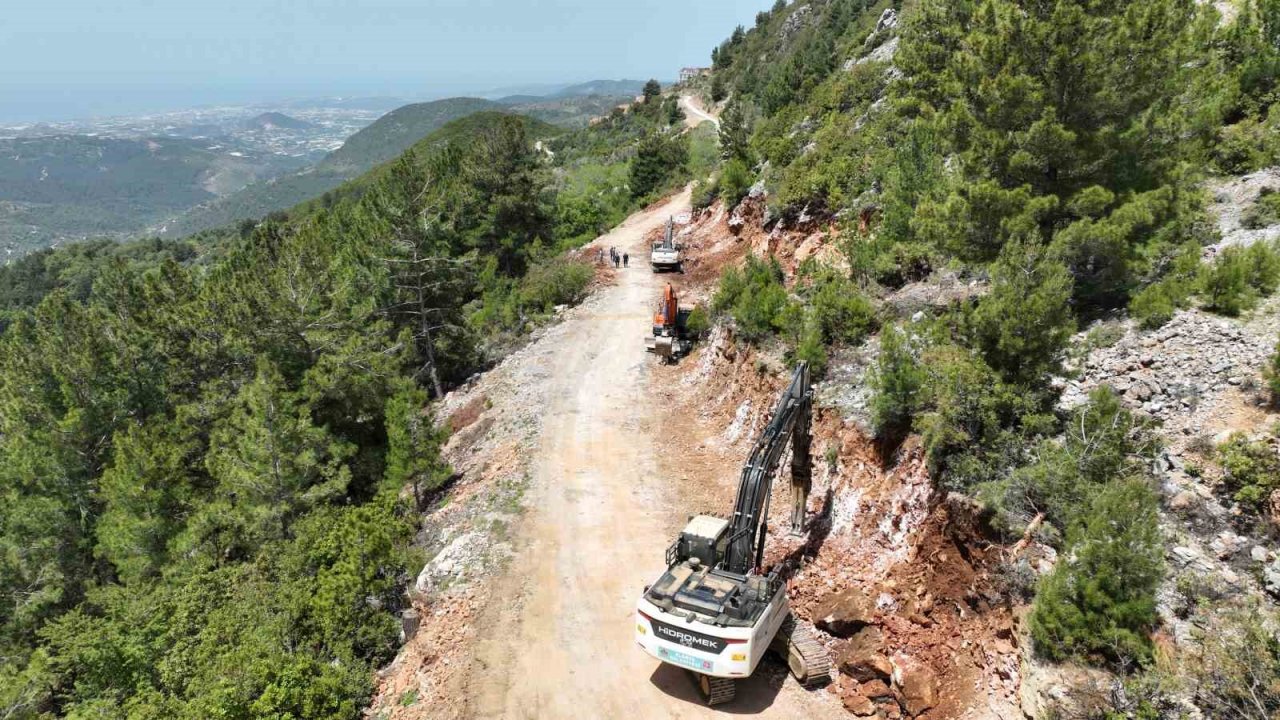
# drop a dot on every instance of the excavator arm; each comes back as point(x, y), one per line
point(790, 423)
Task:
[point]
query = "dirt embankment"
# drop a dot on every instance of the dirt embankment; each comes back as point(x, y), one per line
point(898, 577)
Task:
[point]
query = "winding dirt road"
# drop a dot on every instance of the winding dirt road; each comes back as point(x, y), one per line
point(694, 115)
point(557, 640)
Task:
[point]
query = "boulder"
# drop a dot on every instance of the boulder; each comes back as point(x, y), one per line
point(875, 689)
point(917, 683)
point(845, 612)
point(858, 704)
point(1271, 578)
point(863, 657)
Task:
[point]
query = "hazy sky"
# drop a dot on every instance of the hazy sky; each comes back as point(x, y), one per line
point(76, 58)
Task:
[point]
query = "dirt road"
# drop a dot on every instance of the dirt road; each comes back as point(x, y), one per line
point(557, 640)
point(694, 115)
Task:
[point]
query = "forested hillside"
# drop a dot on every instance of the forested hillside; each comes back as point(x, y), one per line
point(385, 139)
point(78, 186)
point(1052, 155)
point(213, 451)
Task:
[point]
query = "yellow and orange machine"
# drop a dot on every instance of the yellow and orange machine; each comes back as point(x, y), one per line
point(670, 336)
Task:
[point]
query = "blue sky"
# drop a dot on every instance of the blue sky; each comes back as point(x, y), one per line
point(75, 58)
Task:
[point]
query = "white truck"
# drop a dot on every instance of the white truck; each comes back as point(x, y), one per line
point(665, 255)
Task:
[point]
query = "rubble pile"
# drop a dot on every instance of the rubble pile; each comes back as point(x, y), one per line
point(1175, 373)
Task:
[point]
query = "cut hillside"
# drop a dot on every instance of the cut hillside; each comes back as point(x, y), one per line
point(1037, 339)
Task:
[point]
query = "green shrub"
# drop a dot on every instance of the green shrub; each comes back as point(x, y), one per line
point(698, 322)
point(659, 160)
point(1246, 146)
point(842, 312)
point(1024, 323)
point(554, 283)
point(735, 182)
point(1251, 470)
point(811, 348)
point(704, 194)
point(1235, 669)
point(975, 426)
point(1154, 305)
point(1271, 373)
point(1099, 603)
point(1225, 283)
point(896, 381)
point(1101, 441)
point(1265, 211)
point(755, 298)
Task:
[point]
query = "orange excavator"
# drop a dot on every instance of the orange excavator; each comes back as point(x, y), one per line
point(670, 338)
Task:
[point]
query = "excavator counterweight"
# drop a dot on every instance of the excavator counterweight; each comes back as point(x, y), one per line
point(716, 610)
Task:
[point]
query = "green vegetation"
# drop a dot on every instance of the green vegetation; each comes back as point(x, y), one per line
point(1099, 602)
point(73, 186)
point(1251, 470)
point(1265, 211)
point(388, 137)
point(1053, 148)
point(896, 381)
point(1236, 673)
point(1271, 373)
point(211, 462)
point(826, 309)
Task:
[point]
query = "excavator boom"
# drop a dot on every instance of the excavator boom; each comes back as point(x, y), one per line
point(790, 422)
point(714, 612)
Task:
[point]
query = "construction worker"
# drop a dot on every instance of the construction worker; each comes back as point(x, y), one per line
point(624, 259)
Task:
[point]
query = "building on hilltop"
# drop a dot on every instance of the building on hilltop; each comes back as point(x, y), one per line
point(692, 73)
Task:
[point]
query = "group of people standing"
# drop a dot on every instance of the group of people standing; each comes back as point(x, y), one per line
point(618, 259)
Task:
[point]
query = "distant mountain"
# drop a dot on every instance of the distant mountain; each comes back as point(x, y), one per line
point(275, 121)
point(629, 88)
point(573, 111)
point(462, 129)
point(380, 104)
point(384, 140)
point(396, 132)
point(73, 186)
point(520, 99)
point(531, 90)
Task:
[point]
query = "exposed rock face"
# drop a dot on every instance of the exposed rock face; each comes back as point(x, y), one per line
point(1232, 199)
point(917, 684)
point(844, 613)
point(888, 20)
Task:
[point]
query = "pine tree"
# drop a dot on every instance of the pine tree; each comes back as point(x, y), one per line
point(413, 445)
point(1099, 602)
point(270, 461)
point(1024, 324)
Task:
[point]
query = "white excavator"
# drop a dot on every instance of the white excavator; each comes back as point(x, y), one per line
point(716, 610)
point(665, 255)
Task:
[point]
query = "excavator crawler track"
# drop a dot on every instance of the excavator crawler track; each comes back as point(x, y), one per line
point(808, 660)
point(715, 690)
